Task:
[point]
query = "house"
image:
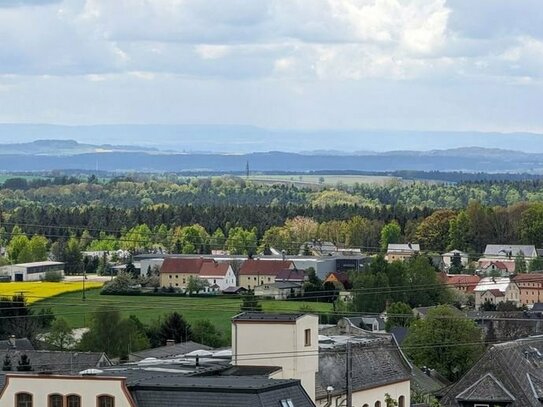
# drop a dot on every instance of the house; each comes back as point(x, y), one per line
point(464, 283)
point(378, 368)
point(279, 290)
point(530, 288)
point(290, 276)
point(57, 361)
point(258, 272)
point(500, 251)
point(318, 248)
point(422, 312)
point(339, 280)
point(401, 252)
point(508, 375)
point(291, 338)
point(176, 272)
point(35, 271)
point(496, 290)
point(57, 390)
point(502, 268)
point(449, 257)
point(234, 291)
point(218, 275)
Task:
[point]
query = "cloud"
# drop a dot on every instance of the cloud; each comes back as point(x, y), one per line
point(27, 3)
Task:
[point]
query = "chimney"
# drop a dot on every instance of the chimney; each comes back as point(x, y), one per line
point(170, 342)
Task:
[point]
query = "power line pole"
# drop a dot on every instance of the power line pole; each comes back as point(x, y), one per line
point(349, 374)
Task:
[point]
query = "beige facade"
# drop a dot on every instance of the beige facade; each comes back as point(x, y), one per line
point(400, 392)
point(291, 344)
point(495, 291)
point(176, 280)
point(254, 280)
point(88, 388)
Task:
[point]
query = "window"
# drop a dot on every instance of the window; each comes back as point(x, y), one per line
point(377, 404)
point(308, 337)
point(287, 403)
point(56, 400)
point(73, 401)
point(23, 400)
point(401, 401)
point(365, 405)
point(106, 401)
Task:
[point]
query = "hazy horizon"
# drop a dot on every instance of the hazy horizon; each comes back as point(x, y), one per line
point(247, 139)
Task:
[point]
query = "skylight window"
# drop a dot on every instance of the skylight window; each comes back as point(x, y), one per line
point(287, 403)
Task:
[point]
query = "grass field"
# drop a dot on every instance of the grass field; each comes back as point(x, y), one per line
point(36, 291)
point(329, 180)
point(218, 310)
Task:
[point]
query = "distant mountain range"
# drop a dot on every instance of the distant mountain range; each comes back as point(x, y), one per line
point(65, 147)
point(48, 155)
point(248, 139)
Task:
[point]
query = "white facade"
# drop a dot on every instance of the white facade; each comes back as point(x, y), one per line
point(294, 345)
point(223, 281)
point(400, 392)
point(32, 271)
point(149, 264)
point(89, 388)
point(448, 257)
point(496, 290)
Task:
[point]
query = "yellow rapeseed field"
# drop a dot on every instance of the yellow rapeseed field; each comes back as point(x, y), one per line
point(36, 291)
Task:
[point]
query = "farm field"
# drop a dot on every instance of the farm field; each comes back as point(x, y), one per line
point(36, 291)
point(218, 310)
point(329, 180)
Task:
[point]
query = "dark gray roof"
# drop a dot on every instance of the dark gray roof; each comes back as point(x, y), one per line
point(18, 344)
point(58, 362)
point(233, 290)
point(261, 316)
point(427, 381)
point(220, 392)
point(164, 352)
point(363, 322)
point(511, 370)
point(376, 362)
point(250, 371)
point(400, 333)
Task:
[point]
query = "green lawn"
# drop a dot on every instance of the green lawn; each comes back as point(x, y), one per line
point(218, 310)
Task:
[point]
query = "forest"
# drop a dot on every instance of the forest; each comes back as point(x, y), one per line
point(197, 215)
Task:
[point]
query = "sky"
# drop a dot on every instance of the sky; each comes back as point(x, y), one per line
point(301, 64)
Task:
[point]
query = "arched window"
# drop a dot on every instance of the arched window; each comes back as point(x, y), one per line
point(23, 400)
point(106, 401)
point(56, 400)
point(366, 405)
point(73, 400)
point(377, 404)
point(401, 401)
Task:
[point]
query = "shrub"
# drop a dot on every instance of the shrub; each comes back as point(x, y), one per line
point(53, 276)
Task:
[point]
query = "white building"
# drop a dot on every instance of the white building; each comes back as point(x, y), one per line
point(292, 339)
point(496, 290)
point(32, 271)
point(448, 258)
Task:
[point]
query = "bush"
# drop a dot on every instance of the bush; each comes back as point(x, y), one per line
point(53, 276)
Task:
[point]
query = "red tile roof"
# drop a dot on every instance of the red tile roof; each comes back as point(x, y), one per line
point(290, 275)
point(214, 269)
point(462, 280)
point(528, 278)
point(500, 265)
point(182, 266)
point(264, 267)
point(496, 293)
point(343, 278)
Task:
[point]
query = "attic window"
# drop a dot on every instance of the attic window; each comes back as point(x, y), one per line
point(287, 403)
